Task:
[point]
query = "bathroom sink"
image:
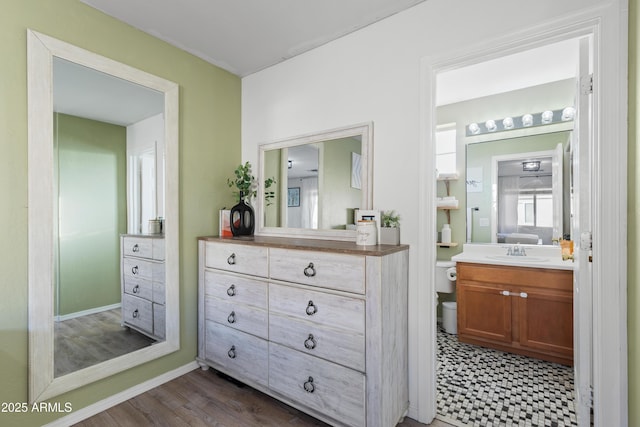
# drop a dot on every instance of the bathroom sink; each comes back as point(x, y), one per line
point(518, 259)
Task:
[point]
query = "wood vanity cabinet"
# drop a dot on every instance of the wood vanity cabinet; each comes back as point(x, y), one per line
point(319, 325)
point(522, 310)
point(143, 284)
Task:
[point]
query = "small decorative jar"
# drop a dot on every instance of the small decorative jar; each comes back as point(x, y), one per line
point(366, 233)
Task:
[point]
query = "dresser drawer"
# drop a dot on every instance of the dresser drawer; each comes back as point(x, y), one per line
point(143, 247)
point(330, 389)
point(159, 323)
point(139, 287)
point(159, 293)
point(237, 316)
point(137, 312)
point(243, 259)
point(340, 346)
point(149, 270)
point(333, 311)
point(327, 270)
point(242, 290)
point(240, 354)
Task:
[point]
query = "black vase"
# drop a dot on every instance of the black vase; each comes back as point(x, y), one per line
point(242, 218)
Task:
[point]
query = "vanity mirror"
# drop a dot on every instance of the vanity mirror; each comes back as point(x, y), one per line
point(518, 189)
point(320, 180)
point(76, 143)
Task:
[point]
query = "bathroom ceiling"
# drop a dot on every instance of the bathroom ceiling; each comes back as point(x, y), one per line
point(249, 35)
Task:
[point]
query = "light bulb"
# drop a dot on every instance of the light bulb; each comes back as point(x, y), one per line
point(491, 125)
point(474, 128)
point(547, 117)
point(568, 113)
point(527, 120)
point(507, 123)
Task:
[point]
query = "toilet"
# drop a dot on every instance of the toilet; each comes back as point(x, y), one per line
point(445, 276)
point(446, 283)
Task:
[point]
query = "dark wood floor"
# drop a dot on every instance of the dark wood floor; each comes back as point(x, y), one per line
point(203, 398)
point(91, 339)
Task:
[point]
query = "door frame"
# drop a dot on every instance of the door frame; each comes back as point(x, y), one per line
point(608, 25)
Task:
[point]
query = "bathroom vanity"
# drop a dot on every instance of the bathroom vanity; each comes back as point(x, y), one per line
point(320, 325)
point(517, 305)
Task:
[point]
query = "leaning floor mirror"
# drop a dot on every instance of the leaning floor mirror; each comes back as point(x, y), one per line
point(102, 173)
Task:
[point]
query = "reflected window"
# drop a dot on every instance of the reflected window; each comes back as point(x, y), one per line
point(446, 148)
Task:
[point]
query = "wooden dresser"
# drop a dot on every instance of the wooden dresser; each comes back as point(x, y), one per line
point(143, 279)
point(320, 325)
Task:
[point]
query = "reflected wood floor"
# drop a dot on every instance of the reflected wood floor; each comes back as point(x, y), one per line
point(91, 339)
point(203, 398)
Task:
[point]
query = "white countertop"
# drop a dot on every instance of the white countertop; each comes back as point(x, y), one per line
point(537, 256)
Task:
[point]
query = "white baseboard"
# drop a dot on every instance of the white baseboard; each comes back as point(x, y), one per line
point(103, 405)
point(87, 312)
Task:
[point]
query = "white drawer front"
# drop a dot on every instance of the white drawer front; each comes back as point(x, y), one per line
point(159, 320)
point(328, 270)
point(137, 312)
point(158, 249)
point(331, 389)
point(139, 287)
point(137, 246)
point(243, 355)
point(340, 346)
point(243, 259)
point(136, 267)
point(320, 308)
point(236, 289)
point(238, 316)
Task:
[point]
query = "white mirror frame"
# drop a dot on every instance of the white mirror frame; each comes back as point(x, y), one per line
point(40, 52)
point(366, 132)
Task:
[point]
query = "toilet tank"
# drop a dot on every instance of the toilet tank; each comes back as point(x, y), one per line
point(445, 276)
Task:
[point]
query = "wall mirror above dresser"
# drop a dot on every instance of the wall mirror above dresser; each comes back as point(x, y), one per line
point(103, 216)
point(320, 179)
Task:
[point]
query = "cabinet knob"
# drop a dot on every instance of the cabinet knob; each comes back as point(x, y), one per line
point(232, 259)
point(136, 289)
point(311, 309)
point(232, 352)
point(135, 313)
point(232, 317)
point(310, 343)
point(308, 385)
point(232, 290)
point(135, 248)
point(134, 269)
point(310, 270)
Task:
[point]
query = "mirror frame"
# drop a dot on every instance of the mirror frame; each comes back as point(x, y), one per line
point(365, 131)
point(40, 52)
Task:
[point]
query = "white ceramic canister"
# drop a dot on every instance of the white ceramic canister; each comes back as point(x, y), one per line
point(366, 233)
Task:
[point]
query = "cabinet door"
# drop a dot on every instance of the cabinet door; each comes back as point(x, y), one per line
point(546, 321)
point(484, 312)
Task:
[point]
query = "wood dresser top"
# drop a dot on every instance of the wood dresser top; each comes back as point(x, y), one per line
point(309, 244)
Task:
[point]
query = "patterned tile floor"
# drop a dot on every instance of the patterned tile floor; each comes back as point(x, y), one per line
point(483, 387)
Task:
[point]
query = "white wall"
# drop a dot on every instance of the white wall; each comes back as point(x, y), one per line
point(375, 75)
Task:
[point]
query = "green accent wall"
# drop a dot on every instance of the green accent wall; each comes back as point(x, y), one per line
point(336, 188)
point(209, 138)
point(92, 200)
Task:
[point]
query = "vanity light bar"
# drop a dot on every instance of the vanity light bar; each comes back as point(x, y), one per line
point(527, 120)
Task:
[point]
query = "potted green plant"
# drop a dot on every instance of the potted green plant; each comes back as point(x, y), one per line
point(389, 228)
point(242, 215)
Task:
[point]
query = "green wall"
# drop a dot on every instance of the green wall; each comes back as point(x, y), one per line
point(633, 210)
point(336, 186)
point(209, 149)
point(91, 176)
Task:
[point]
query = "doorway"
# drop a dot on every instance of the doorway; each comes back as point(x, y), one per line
point(478, 65)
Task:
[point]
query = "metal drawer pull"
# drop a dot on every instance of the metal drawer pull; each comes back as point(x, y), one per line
point(310, 271)
point(232, 290)
point(311, 309)
point(232, 317)
point(135, 313)
point(514, 294)
point(308, 385)
point(232, 352)
point(134, 270)
point(232, 259)
point(135, 248)
point(136, 288)
point(310, 343)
